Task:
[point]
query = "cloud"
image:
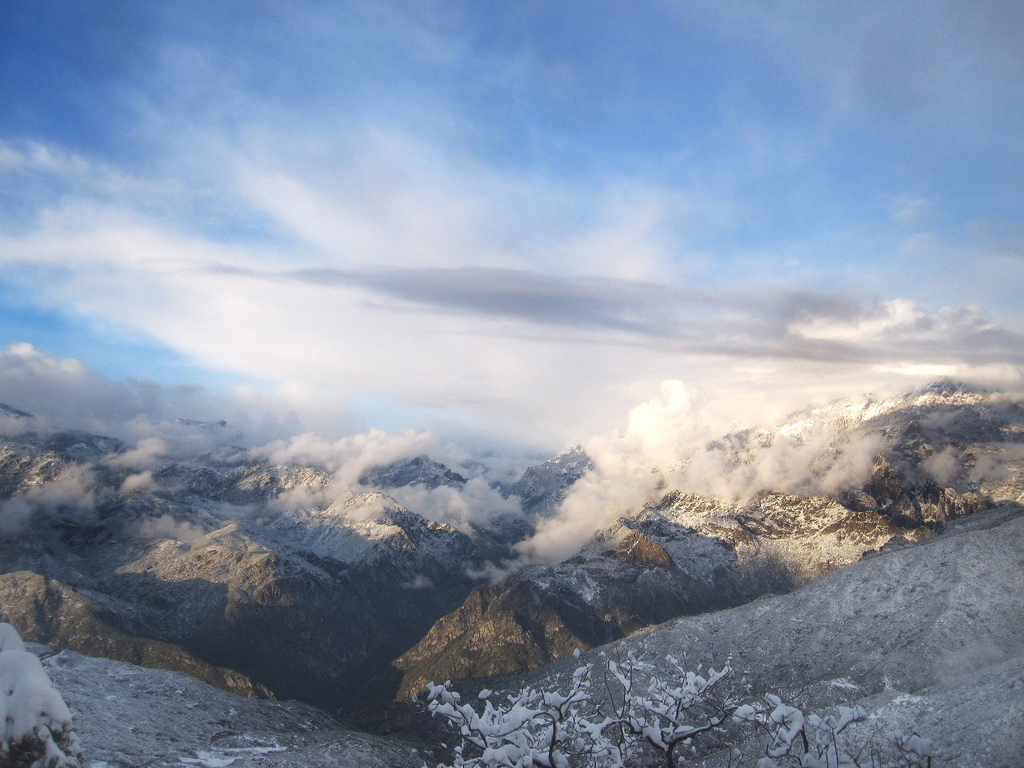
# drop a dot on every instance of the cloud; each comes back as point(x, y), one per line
point(143, 481)
point(953, 63)
point(668, 446)
point(349, 457)
point(72, 496)
point(626, 473)
point(772, 325)
point(74, 490)
point(143, 456)
point(166, 527)
point(361, 226)
point(172, 420)
point(943, 466)
point(473, 506)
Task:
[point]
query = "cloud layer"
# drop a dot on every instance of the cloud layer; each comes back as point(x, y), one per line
point(446, 220)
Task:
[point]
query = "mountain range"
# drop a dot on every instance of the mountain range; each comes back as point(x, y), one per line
point(272, 581)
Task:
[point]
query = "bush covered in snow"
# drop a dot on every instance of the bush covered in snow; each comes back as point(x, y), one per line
point(638, 714)
point(36, 723)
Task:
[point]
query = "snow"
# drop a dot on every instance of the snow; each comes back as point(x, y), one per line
point(128, 716)
point(10, 640)
point(31, 710)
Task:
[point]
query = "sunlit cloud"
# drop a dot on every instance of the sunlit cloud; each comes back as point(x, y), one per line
point(406, 218)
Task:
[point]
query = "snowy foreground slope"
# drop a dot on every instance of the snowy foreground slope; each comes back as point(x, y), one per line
point(132, 716)
point(929, 635)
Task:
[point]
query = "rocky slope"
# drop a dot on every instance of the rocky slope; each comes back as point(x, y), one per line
point(936, 455)
point(931, 634)
point(928, 636)
point(46, 611)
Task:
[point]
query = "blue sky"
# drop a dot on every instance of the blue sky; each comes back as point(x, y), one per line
point(514, 221)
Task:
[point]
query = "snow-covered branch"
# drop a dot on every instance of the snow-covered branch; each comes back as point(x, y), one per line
point(639, 711)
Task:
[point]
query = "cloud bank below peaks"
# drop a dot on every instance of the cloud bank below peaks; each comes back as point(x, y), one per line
point(668, 446)
point(45, 396)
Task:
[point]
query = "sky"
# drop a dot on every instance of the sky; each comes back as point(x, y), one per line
point(511, 225)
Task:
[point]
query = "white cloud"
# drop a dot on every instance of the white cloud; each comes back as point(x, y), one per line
point(350, 187)
point(943, 466)
point(625, 474)
point(476, 504)
point(349, 457)
point(666, 446)
point(173, 420)
point(166, 527)
point(143, 456)
point(142, 481)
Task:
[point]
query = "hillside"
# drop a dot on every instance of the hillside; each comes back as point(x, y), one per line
point(128, 716)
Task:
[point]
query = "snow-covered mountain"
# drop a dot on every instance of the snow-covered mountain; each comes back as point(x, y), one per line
point(220, 567)
point(543, 487)
point(419, 470)
point(273, 580)
point(927, 637)
point(935, 455)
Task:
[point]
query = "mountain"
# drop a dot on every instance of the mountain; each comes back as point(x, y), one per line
point(415, 471)
point(219, 567)
point(540, 490)
point(927, 637)
point(271, 580)
point(936, 455)
point(46, 611)
point(930, 634)
point(543, 487)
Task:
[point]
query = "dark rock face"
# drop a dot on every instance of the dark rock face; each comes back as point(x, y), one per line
point(307, 626)
point(46, 611)
point(540, 614)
